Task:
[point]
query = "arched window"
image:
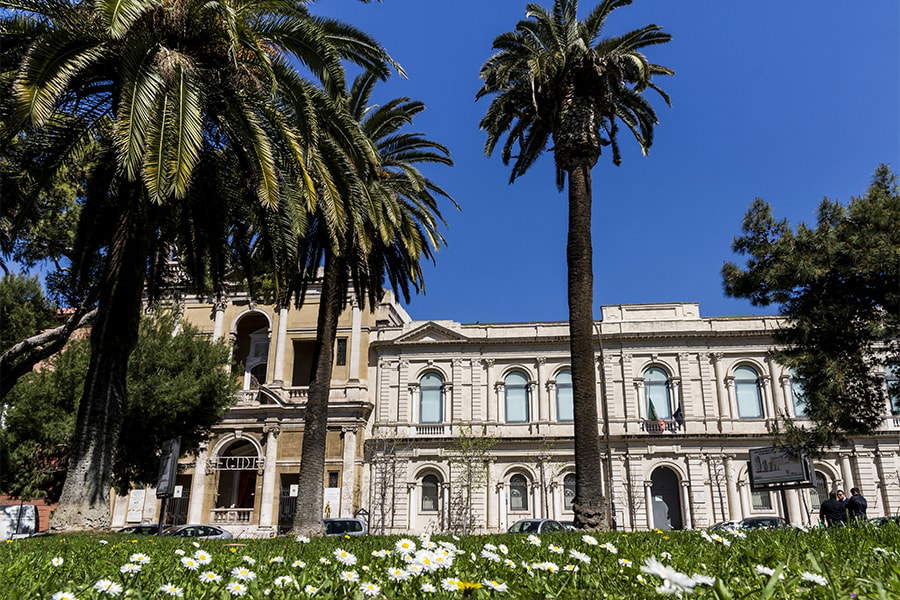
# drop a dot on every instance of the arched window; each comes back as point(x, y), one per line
point(431, 403)
point(516, 385)
point(761, 500)
point(430, 493)
point(656, 389)
point(797, 395)
point(892, 379)
point(564, 408)
point(819, 493)
point(518, 493)
point(568, 491)
point(749, 398)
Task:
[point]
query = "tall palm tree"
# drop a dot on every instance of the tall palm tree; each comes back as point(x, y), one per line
point(392, 226)
point(554, 78)
point(178, 95)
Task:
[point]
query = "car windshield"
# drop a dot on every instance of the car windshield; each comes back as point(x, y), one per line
point(338, 527)
point(525, 527)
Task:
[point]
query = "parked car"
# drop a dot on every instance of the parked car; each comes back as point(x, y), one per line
point(881, 521)
point(348, 526)
point(536, 526)
point(141, 529)
point(198, 531)
point(568, 525)
point(752, 523)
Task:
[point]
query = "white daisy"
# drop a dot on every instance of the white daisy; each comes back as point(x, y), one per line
point(276, 559)
point(349, 576)
point(179, 552)
point(580, 556)
point(105, 586)
point(609, 547)
point(370, 589)
point(665, 555)
point(555, 549)
point(381, 553)
point(415, 569)
point(303, 540)
point(236, 588)
point(248, 559)
point(243, 574)
point(298, 564)
point(203, 557)
point(141, 559)
point(57, 561)
point(210, 577)
point(64, 596)
point(485, 553)
point(703, 579)
point(509, 563)
point(428, 588)
point(429, 545)
point(589, 540)
point(283, 581)
point(344, 557)
point(813, 578)
point(494, 585)
point(673, 582)
point(503, 549)
point(571, 568)
point(172, 590)
point(405, 546)
point(104, 542)
point(324, 561)
point(624, 562)
point(130, 568)
point(451, 584)
point(533, 540)
point(310, 589)
point(763, 570)
point(192, 564)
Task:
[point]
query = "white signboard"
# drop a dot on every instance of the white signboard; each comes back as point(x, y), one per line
point(294, 490)
point(332, 503)
point(776, 465)
point(176, 493)
point(135, 506)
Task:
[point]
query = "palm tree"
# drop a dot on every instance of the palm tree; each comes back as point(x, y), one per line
point(553, 77)
point(392, 226)
point(182, 98)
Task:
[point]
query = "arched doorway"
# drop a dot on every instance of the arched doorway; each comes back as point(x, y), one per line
point(238, 465)
point(251, 353)
point(666, 497)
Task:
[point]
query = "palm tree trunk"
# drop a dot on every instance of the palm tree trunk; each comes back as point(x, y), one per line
point(589, 505)
point(84, 503)
point(308, 517)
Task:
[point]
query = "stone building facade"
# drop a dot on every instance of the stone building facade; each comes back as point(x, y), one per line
point(437, 425)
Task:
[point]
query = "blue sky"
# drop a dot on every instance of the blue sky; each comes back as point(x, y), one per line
point(788, 101)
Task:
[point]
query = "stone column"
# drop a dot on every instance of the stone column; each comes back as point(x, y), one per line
point(648, 503)
point(777, 391)
point(490, 403)
point(734, 503)
point(687, 516)
point(768, 404)
point(883, 460)
point(543, 412)
point(552, 409)
point(555, 505)
point(445, 505)
point(499, 389)
point(846, 472)
point(198, 488)
point(721, 391)
point(536, 504)
point(447, 403)
point(347, 468)
point(795, 513)
point(355, 341)
point(280, 341)
point(787, 396)
point(218, 319)
point(413, 399)
point(266, 507)
point(642, 410)
point(410, 505)
point(502, 505)
point(744, 496)
point(488, 496)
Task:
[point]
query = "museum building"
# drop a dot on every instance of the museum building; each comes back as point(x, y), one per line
point(438, 426)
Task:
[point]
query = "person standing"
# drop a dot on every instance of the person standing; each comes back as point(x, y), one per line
point(856, 505)
point(833, 512)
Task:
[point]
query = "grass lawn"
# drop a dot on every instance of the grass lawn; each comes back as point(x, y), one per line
point(835, 564)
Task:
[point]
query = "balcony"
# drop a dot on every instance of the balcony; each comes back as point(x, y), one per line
point(660, 426)
point(431, 430)
point(231, 516)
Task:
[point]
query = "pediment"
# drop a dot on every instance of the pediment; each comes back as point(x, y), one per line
point(430, 333)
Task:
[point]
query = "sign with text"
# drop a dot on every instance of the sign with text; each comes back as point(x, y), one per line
point(770, 466)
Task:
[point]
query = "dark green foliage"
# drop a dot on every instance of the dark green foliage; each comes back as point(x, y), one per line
point(24, 310)
point(838, 285)
point(177, 386)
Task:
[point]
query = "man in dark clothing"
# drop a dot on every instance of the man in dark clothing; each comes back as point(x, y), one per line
point(856, 505)
point(833, 511)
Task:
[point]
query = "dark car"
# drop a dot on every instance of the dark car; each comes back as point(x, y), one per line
point(752, 523)
point(141, 529)
point(198, 531)
point(336, 527)
point(536, 526)
point(882, 521)
point(568, 525)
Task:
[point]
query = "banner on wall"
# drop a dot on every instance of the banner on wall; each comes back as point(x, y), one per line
point(331, 499)
point(778, 467)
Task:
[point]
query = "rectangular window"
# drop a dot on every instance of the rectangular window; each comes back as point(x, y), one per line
point(762, 501)
point(340, 353)
point(748, 400)
point(564, 407)
point(516, 404)
point(332, 479)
